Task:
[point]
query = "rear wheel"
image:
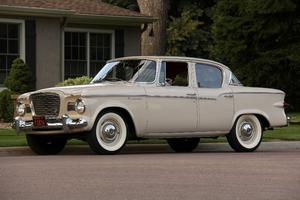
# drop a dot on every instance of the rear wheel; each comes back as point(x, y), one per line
point(109, 133)
point(246, 134)
point(46, 144)
point(183, 144)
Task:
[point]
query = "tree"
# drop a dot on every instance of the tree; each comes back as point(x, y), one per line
point(260, 41)
point(189, 27)
point(154, 37)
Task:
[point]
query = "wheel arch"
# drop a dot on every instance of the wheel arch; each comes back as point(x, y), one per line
point(262, 117)
point(125, 113)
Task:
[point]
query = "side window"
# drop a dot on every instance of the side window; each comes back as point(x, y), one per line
point(147, 73)
point(234, 81)
point(208, 76)
point(174, 74)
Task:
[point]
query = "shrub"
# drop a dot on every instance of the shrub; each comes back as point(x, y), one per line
point(6, 106)
point(75, 81)
point(20, 78)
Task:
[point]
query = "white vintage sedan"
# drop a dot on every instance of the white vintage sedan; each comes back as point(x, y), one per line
point(179, 99)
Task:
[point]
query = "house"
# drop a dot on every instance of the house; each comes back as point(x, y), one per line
point(61, 39)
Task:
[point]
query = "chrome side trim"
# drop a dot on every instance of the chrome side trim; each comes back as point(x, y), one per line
point(112, 95)
point(165, 96)
point(134, 96)
point(227, 94)
point(175, 97)
point(251, 93)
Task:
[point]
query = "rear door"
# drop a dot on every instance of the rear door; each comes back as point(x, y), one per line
point(215, 99)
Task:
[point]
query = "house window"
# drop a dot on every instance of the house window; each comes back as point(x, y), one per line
point(9, 47)
point(100, 51)
point(85, 53)
point(75, 54)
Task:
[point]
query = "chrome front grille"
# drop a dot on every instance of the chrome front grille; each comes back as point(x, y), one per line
point(45, 104)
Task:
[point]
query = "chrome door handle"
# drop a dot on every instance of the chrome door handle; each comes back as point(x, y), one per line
point(191, 94)
point(228, 95)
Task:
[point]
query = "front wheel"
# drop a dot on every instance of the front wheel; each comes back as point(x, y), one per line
point(46, 144)
point(246, 134)
point(109, 134)
point(183, 144)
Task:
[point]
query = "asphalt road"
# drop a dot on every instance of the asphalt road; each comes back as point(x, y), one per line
point(213, 171)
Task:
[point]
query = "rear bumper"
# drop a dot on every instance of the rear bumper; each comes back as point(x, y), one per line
point(64, 125)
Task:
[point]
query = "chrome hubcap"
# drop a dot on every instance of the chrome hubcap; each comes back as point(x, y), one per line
point(246, 130)
point(109, 131)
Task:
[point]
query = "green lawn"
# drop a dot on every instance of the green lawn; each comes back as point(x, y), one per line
point(295, 117)
point(8, 137)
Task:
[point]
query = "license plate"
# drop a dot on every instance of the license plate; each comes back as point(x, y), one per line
point(39, 121)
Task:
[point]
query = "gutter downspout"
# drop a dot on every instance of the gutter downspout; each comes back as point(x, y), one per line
point(62, 52)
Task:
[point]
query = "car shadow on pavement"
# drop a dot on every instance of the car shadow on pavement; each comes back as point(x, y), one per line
point(157, 149)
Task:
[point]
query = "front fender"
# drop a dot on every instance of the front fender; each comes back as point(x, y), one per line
point(132, 107)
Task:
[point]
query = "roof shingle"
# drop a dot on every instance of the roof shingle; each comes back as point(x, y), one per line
point(80, 7)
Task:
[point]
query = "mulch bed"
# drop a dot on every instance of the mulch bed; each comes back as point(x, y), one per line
point(5, 125)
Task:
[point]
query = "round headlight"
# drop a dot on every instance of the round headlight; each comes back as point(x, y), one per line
point(21, 109)
point(79, 106)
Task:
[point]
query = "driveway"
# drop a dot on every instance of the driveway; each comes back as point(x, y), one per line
point(213, 171)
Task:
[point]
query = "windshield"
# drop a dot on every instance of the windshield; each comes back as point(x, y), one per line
point(127, 70)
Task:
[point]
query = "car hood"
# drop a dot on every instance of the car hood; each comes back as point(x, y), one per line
point(87, 90)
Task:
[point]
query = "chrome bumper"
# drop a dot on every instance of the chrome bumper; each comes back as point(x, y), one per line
point(65, 123)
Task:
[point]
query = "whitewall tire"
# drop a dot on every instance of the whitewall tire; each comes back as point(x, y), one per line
point(109, 134)
point(246, 134)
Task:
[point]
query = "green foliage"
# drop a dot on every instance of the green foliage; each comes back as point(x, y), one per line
point(6, 106)
point(260, 41)
point(188, 32)
point(75, 81)
point(181, 41)
point(20, 78)
point(181, 80)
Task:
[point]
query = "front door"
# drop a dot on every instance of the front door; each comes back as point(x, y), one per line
point(171, 107)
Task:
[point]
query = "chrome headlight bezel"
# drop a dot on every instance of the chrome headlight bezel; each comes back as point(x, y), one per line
point(21, 108)
point(79, 106)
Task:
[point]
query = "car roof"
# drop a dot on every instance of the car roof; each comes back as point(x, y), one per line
point(170, 58)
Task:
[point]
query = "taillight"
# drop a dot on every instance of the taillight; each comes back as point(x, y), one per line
point(285, 105)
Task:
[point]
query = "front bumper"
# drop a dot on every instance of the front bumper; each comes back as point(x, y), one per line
point(66, 124)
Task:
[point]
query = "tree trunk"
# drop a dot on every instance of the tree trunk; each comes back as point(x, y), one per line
point(154, 37)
